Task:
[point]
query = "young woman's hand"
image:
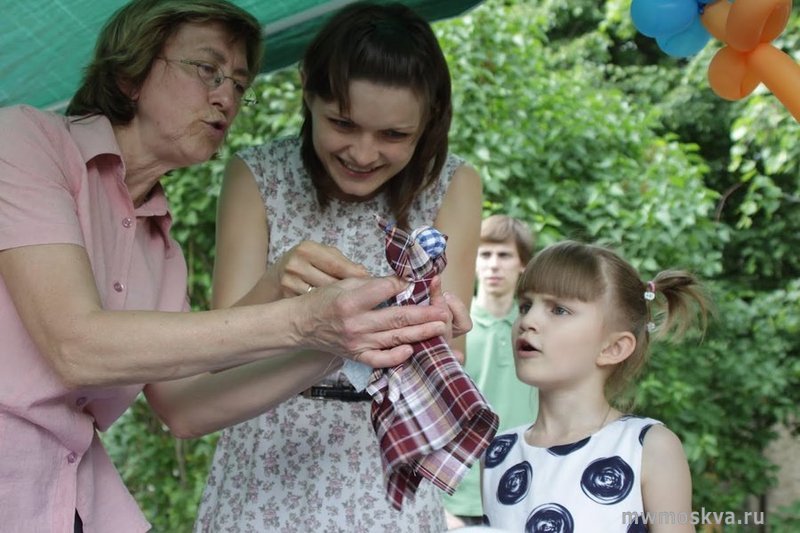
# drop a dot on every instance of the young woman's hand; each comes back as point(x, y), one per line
point(309, 265)
point(458, 319)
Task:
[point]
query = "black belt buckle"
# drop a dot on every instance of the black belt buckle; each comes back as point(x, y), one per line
point(344, 393)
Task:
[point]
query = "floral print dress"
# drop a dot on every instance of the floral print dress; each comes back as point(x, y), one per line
point(309, 464)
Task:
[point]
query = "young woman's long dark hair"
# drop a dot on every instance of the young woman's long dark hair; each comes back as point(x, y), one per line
point(388, 45)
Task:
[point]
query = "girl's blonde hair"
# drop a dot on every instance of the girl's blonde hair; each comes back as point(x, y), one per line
point(589, 273)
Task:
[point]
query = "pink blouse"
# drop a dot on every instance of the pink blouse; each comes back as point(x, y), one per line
point(62, 181)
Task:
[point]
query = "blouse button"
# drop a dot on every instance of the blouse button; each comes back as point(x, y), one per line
point(119, 287)
point(72, 457)
point(127, 222)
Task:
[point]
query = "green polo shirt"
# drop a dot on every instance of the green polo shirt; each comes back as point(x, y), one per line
point(490, 364)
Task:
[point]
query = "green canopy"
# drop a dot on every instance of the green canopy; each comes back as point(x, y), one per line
point(45, 44)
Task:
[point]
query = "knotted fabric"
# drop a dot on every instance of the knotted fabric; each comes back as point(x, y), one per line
point(431, 420)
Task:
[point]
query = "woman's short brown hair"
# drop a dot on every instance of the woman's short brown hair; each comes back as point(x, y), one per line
point(134, 37)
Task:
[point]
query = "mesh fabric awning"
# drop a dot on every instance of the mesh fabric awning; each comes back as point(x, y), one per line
point(45, 44)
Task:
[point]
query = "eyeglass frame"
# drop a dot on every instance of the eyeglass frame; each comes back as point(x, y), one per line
point(248, 95)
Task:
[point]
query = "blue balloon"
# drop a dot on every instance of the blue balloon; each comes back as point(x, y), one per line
point(662, 18)
point(686, 43)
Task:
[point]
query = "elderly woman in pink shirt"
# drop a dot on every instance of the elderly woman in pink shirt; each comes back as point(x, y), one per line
point(93, 288)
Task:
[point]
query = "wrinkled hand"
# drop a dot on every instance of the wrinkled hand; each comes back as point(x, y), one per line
point(341, 318)
point(311, 264)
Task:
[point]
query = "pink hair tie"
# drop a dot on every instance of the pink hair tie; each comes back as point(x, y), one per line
point(650, 293)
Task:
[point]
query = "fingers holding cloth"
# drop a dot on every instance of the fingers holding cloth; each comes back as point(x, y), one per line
point(309, 265)
point(378, 338)
point(342, 318)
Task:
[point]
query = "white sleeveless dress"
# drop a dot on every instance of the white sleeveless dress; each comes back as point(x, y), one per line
point(590, 485)
point(314, 465)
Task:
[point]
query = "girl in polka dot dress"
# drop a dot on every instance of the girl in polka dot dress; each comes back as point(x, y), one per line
point(585, 323)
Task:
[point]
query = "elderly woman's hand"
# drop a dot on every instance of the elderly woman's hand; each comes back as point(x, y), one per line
point(310, 264)
point(341, 318)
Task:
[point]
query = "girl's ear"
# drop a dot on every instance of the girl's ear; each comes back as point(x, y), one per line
point(619, 346)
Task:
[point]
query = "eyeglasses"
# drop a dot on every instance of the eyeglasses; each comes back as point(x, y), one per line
point(212, 77)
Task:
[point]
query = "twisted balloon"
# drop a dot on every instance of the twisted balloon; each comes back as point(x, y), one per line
point(746, 27)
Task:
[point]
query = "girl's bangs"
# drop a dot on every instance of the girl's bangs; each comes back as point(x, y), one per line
point(564, 272)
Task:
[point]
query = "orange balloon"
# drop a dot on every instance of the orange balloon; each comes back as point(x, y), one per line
point(779, 73)
point(715, 18)
point(729, 74)
point(747, 27)
point(751, 22)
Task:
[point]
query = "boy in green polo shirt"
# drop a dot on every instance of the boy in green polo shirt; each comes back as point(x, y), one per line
point(505, 247)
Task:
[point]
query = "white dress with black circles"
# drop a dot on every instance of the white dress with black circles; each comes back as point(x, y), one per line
point(590, 485)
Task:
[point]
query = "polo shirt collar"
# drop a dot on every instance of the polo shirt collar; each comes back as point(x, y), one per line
point(485, 319)
point(94, 136)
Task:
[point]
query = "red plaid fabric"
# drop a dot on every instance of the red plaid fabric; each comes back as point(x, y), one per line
point(431, 420)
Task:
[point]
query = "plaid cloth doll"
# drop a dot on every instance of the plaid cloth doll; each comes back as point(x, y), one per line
point(431, 420)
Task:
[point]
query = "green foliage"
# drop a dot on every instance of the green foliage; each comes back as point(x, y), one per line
point(582, 127)
point(763, 203)
point(579, 158)
point(786, 519)
point(740, 385)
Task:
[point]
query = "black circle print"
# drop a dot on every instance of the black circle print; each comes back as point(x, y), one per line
point(550, 518)
point(607, 481)
point(566, 449)
point(514, 484)
point(498, 450)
